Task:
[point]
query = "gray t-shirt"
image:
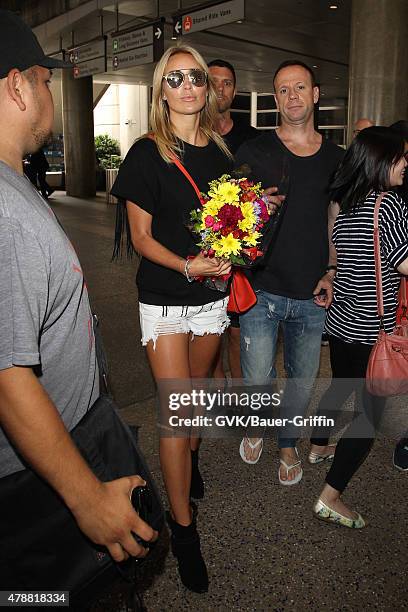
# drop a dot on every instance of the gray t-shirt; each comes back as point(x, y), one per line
point(45, 317)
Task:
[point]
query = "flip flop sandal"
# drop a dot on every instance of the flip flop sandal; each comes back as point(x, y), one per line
point(252, 447)
point(315, 458)
point(298, 477)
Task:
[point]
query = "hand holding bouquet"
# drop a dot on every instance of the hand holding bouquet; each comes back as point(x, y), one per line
point(230, 222)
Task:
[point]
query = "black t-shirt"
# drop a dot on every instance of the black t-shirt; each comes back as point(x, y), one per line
point(238, 134)
point(163, 191)
point(298, 255)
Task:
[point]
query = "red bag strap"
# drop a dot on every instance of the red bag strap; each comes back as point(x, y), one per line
point(377, 258)
point(182, 169)
point(187, 175)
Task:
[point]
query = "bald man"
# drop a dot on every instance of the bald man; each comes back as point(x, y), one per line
point(361, 124)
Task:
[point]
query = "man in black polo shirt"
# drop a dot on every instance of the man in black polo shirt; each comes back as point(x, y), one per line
point(235, 132)
point(294, 284)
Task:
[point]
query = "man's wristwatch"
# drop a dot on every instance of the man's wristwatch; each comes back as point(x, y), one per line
point(330, 268)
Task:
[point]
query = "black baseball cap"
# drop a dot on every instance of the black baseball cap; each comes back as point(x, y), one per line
point(19, 47)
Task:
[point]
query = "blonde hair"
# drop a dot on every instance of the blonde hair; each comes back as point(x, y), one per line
point(167, 142)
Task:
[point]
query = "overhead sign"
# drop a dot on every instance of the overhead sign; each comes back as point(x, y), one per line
point(141, 45)
point(89, 58)
point(203, 18)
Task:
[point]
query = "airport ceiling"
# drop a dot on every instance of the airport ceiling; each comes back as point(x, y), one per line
point(272, 31)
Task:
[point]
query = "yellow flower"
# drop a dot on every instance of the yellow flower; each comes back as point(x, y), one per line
point(228, 193)
point(227, 245)
point(249, 219)
point(211, 208)
point(247, 223)
point(252, 239)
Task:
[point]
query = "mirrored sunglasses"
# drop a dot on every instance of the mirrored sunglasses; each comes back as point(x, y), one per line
point(175, 78)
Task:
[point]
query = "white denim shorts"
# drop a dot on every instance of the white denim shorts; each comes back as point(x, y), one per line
point(157, 321)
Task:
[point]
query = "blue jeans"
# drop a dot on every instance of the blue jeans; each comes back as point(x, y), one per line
point(302, 323)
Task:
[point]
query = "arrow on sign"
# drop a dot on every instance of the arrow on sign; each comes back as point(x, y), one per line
point(158, 33)
point(177, 27)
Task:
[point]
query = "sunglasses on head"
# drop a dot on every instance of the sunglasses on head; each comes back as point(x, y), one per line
point(175, 78)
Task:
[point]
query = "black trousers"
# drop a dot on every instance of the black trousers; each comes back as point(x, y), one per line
point(349, 364)
point(44, 187)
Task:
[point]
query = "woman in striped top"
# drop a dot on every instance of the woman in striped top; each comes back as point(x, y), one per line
point(374, 163)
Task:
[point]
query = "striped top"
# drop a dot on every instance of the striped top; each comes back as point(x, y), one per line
point(353, 315)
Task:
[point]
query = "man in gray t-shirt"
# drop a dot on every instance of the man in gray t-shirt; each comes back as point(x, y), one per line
point(48, 369)
point(45, 319)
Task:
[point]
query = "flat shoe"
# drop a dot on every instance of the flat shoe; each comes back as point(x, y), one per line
point(324, 513)
point(315, 458)
point(297, 478)
point(251, 446)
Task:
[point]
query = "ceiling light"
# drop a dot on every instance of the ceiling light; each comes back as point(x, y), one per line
point(333, 6)
point(314, 66)
point(174, 38)
point(239, 21)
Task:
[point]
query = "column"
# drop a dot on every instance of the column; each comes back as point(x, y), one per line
point(79, 147)
point(378, 87)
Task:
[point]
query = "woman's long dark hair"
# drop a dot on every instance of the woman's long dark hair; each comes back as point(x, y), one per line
point(366, 166)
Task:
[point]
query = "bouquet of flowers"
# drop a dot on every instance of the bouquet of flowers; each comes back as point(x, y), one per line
point(230, 222)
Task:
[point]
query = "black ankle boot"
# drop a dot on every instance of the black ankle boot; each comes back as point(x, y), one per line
point(185, 544)
point(197, 483)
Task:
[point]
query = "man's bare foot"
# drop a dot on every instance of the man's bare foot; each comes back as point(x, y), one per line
point(290, 457)
point(252, 449)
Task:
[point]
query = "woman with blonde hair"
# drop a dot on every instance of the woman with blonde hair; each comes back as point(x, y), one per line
point(181, 320)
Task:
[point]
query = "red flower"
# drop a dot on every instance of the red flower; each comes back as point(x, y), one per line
point(229, 215)
point(245, 184)
point(248, 196)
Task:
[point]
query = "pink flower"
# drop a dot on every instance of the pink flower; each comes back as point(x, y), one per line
point(209, 221)
point(264, 211)
point(217, 226)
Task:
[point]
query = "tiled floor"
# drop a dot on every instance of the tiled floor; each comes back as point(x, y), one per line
point(263, 548)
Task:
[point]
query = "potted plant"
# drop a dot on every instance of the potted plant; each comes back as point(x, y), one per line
point(108, 160)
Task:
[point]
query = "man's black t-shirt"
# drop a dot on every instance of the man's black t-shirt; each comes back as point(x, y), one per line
point(238, 134)
point(298, 255)
point(163, 191)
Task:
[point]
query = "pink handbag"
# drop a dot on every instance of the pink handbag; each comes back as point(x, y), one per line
point(387, 370)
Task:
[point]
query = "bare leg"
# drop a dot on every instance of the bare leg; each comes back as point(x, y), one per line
point(219, 368)
point(234, 356)
point(170, 360)
point(175, 358)
point(202, 354)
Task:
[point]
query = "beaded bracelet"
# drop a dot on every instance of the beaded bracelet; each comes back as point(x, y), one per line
point(186, 271)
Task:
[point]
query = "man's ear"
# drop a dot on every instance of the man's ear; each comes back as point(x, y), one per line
point(15, 86)
point(316, 94)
